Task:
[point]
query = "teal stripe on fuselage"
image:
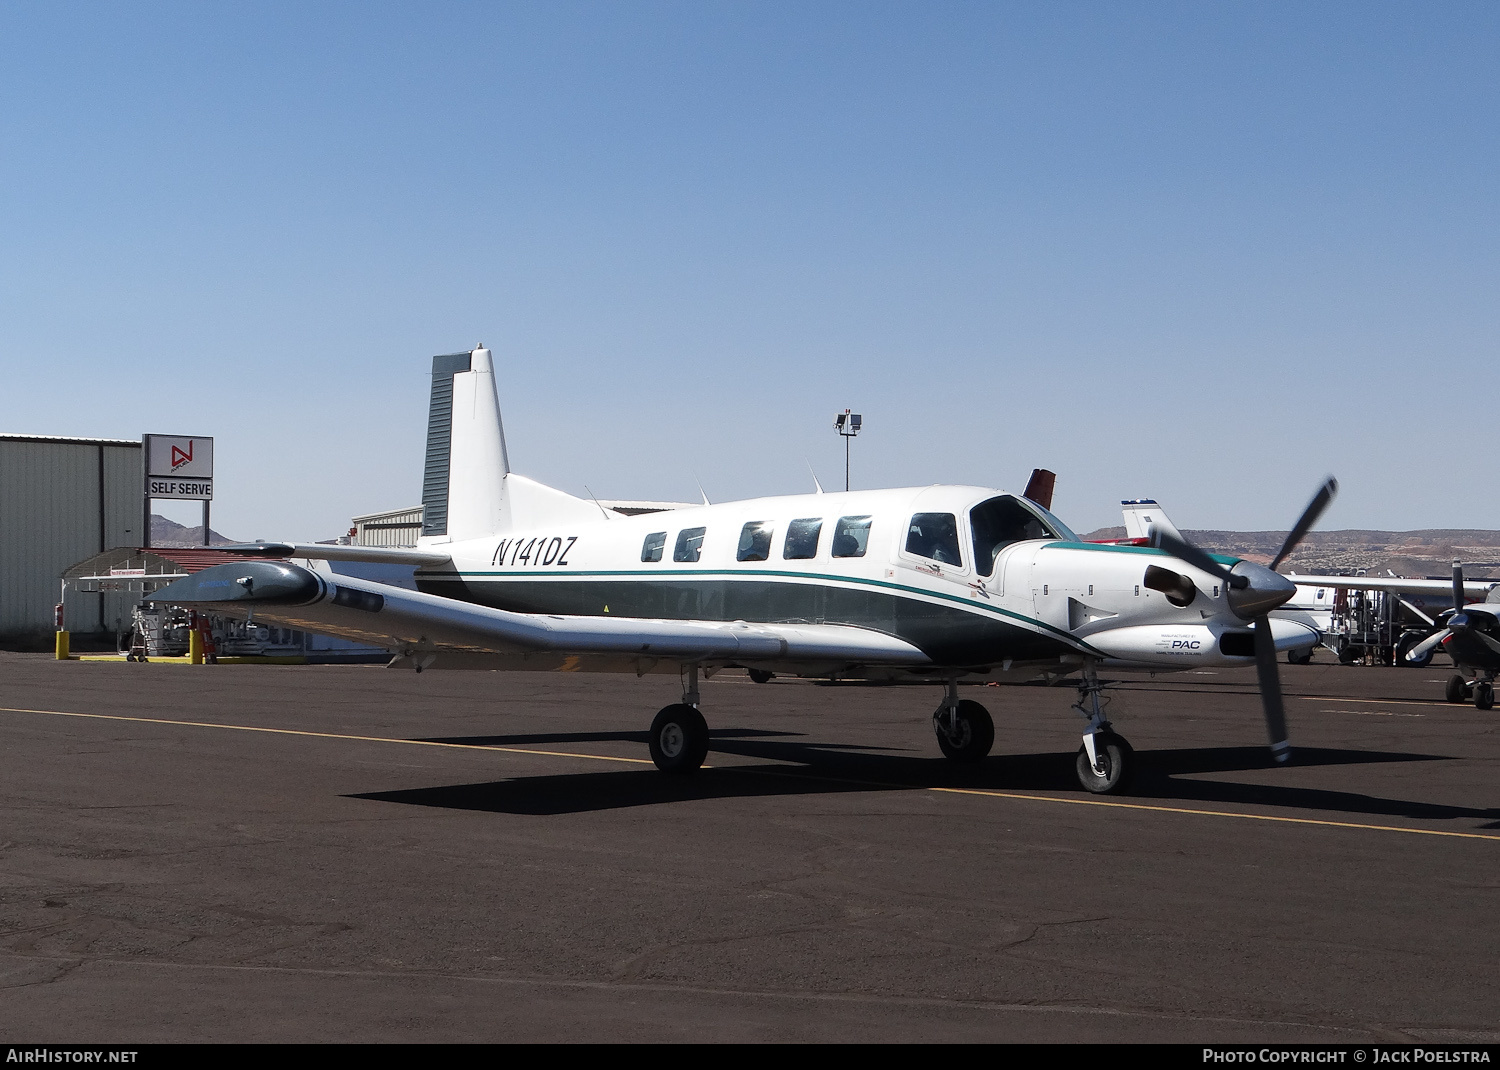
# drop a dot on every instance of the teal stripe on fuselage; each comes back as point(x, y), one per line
point(950, 630)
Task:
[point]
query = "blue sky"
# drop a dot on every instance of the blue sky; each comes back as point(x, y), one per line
point(1207, 253)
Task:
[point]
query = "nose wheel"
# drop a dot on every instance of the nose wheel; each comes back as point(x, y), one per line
point(1109, 769)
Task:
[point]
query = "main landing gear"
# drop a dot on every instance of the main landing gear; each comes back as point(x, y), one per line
point(1105, 762)
point(679, 735)
point(1481, 689)
point(964, 730)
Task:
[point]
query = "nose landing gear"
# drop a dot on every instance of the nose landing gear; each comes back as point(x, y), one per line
point(1105, 762)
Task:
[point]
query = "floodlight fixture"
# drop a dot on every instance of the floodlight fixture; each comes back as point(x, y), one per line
point(847, 424)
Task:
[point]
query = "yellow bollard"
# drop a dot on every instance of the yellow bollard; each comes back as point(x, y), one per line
point(62, 645)
point(195, 646)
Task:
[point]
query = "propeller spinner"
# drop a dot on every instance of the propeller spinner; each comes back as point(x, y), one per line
point(1458, 620)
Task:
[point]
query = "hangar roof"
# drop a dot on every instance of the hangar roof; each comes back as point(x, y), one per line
point(15, 437)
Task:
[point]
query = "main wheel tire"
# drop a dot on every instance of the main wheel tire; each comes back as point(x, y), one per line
point(679, 739)
point(760, 676)
point(1457, 690)
point(1119, 765)
point(973, 736)
point(1299, 657)
point(1405, 643)
point(1484, 696)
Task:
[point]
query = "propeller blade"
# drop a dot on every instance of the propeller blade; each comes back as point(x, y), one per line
point(1416, 652)
point(1186, 551)
point(1487, 641)
point(1458, 587)
point(1414, 610)
point(1308, 518)
point(1270, 689)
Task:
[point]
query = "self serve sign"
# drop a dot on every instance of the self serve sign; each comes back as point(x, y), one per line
point(179, 466)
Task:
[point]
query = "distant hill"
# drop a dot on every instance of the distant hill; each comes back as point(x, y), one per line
point(1429, 552)
point(166, 532)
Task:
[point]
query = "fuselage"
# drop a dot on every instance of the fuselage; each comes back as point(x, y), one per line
point(974, 577)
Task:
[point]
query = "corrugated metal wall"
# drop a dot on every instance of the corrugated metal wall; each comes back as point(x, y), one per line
point(60, 502)
point(399, 527)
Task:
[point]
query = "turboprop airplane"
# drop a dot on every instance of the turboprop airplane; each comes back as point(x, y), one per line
point(945, 584)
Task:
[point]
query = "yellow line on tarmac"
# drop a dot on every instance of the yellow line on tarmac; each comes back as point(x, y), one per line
point(1374, 701)
point(332, 735)
point(1221, 813)
point(771, 772)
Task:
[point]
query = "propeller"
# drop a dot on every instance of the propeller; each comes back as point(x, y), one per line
point(1252, 592)
point(1458, 620)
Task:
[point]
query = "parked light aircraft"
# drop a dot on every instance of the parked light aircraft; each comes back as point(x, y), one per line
point(1469, 632)
point(946, 584)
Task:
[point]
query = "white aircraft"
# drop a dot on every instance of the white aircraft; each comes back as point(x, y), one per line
point(946, 584)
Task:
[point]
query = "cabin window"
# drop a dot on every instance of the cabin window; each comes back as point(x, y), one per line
point(934, 536)
point(802, 539)
point(651, 549)
point(851, 537)
point(755, 541)
point(996, 524)
point(689, 544)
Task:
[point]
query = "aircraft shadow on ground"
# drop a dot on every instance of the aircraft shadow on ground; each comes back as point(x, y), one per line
point(1163, 776)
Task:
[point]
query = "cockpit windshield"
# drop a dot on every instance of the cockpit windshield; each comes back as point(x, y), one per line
point(998, 522)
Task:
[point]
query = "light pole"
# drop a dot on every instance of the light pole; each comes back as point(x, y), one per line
point(847, 424)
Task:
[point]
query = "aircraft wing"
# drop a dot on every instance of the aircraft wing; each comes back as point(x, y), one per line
point(414, 623)
point(322, 551)
point(1472, 588)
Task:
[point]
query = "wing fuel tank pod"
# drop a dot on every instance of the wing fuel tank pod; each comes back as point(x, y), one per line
point(250, 583)
point(1173, 644)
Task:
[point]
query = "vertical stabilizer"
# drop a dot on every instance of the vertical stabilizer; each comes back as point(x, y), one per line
point(1142, 515)
point(463, 488)
point(468, 490)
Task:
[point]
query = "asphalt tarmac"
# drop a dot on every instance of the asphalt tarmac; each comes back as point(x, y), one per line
point(319, 853)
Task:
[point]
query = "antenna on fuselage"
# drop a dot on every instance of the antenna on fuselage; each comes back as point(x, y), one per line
point(596, 502)
point(814, 475)
point(701, 492)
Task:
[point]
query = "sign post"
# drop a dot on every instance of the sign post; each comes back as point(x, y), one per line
point(177, 466)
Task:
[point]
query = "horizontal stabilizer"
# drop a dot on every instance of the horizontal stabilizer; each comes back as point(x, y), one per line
point(319, 551)
point(638, 508)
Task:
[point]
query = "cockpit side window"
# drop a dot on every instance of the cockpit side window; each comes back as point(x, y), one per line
point(996, 524)
point(934, 536)
point(755, 541)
